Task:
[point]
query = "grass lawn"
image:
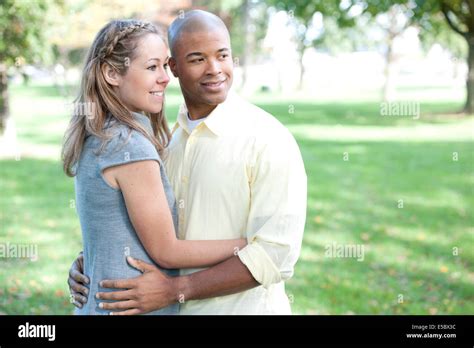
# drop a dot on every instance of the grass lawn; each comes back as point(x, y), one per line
point(398, 188)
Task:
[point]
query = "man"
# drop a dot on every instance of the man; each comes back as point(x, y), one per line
point(236, 172)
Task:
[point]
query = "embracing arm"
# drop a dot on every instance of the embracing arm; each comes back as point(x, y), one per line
point(142, 188)
point(228, 277)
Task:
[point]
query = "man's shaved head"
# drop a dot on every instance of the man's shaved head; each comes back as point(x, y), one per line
point(201, 58)
point(191, 22)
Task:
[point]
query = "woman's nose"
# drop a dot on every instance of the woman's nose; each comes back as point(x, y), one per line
point(163, 78)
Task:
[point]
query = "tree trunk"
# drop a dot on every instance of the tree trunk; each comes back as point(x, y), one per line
point(4, 106)
point(301, 54)
point(388, 84)
point(469, 105)
point(244, 61)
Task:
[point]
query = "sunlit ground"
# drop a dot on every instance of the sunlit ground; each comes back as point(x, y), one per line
point(398, 186)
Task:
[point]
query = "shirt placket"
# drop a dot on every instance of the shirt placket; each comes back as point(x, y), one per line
point(189, 148)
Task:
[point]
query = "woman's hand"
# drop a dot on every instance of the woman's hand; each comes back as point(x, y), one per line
point(151, 291)
point(76, 280)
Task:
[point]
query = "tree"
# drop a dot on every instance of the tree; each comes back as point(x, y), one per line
point(391, 24)
point(302, 12)
point(22, 39)
point(248, 28)
point(432, 16)
point(459, 16)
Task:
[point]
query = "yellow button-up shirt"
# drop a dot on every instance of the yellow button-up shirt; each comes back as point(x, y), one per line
point(239, 174)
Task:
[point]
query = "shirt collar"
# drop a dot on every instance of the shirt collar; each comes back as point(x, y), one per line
point(217, 121)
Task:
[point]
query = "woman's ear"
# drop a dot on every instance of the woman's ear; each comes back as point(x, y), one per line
point(172, 65)
point(111, 75)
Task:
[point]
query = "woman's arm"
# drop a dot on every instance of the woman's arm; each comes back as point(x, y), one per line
point(142, 188)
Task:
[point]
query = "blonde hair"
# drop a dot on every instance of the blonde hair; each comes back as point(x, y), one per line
point(114, 45)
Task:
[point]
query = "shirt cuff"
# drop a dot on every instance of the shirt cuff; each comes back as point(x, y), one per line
point(260, 265)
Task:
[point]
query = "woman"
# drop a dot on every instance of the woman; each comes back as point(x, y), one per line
point(118, 144)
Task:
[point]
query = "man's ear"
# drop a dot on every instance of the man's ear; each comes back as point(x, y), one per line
point(111, 75)
point(172, 64)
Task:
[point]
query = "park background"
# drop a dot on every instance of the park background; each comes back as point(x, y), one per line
point(376, 93)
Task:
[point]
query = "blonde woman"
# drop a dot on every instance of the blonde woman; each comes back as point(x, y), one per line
point(124, 200)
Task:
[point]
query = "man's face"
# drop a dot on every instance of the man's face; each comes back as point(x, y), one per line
point(203, 63)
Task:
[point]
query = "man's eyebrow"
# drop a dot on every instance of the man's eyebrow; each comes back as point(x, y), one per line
point(225, 49)
point(194, 54)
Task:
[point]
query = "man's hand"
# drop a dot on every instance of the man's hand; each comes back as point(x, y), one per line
point(76, 280)
point(151, 291)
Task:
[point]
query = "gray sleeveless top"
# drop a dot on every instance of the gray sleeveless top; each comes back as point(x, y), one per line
point(107, 232)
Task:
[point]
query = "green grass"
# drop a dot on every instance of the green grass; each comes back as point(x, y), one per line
point(408, 252)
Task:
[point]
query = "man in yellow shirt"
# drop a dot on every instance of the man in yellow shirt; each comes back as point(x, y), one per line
point(236, 172)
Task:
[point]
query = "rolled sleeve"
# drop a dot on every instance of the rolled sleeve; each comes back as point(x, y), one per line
point(277, 211)
point(261, 266)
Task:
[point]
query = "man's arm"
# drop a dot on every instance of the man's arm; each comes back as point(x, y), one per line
point(228, 277)
point(274, 231)
point(154, 290)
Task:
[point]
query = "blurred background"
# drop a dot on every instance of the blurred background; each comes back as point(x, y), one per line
point(378, 94)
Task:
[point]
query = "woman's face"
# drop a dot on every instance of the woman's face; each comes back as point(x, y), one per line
point(143, 85)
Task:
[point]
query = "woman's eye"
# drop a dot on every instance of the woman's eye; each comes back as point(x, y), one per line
point(152, 68)
point(165, 66)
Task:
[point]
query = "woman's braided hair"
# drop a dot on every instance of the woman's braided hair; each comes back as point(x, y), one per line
point(134, 26)
point(114, 45)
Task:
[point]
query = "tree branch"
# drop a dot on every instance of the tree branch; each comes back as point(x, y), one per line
point(470, 4)
point(445, 9)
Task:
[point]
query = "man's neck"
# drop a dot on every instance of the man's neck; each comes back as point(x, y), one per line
point(196, 112)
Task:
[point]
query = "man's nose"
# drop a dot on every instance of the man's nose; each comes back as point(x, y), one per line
point(213, 67)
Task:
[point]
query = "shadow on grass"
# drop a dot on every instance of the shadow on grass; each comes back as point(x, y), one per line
point(409, 250)
point(353, 113)
point(37, 208)
point(357, 202)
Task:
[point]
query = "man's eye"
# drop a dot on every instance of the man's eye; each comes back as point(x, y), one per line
point(224, 56)
point(152, 68)
point(198, 60)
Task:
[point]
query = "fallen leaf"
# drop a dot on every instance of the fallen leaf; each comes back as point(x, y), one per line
point(51, 223)
point(34, 284)
point(317, 219)
point(59, 293)
point(401, 258)
point(443, 269)
point(421, 236)
point(433, 311)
